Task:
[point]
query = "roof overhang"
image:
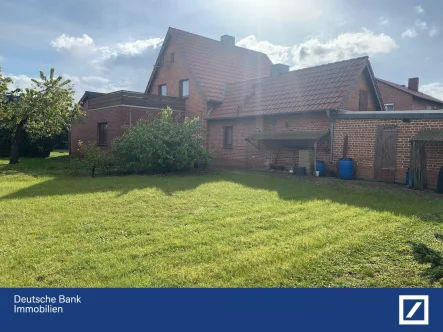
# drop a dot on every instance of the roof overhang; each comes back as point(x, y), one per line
point(425, 114)
point(310, 135)
point(429, 135)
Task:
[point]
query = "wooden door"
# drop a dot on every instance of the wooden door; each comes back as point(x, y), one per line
point(385, 153)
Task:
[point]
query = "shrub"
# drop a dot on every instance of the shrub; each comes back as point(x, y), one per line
point(160, 145)
point(94, 160)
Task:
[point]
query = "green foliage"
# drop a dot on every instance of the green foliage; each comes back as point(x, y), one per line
point(160, 145)
point(29, 146)
point(41, 111)
point(94, 159)
point(4, 81)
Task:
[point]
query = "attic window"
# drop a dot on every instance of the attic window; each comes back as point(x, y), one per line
point(162, 90)
point(184, 88)
point(389, 107)
point(172, 57)
point(363, 101)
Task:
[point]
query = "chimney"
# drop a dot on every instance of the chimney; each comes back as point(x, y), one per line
point(228, 40)
point(279, 69)
point(413, 84)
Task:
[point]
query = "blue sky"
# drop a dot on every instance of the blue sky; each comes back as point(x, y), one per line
point(109, 45)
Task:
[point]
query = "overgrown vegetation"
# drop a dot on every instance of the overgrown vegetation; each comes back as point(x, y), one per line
point(160, 145)
point(216, 230)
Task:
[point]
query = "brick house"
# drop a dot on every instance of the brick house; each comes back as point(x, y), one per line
point(400, 97)
point(107, 114)
point(257, 114)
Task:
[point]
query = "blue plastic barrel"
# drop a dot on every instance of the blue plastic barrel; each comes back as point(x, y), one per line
point(345, 168)
point(320, 167)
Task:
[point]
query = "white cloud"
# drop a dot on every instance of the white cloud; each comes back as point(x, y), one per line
point(434, 89)
point(433, 31)
point(95, 79)
point(314, 51)
point(421, 25)
point(348, 45)
point(383, 20)
point(66, 42)
point(20, 81)
point(103, 57)
point(419, 9)
point(277, 53)
point(80, 84)
point(409, 33)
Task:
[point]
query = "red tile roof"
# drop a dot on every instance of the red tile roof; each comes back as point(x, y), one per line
point(317, 88)
point(214, 64)
point(417, 94)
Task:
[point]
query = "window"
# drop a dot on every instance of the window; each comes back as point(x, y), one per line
point(162, 90)
point(227, 141)
point(172, 58)
point(363, 101)
point(428, 108)
point(102, 133)
point(389, 107)
point(184, 88)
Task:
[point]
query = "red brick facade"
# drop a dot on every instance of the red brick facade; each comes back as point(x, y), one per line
point(116, 118)
point(171, 74)
point(257, 155)
point(352, 101)
point(362, 140)
point(245, 154)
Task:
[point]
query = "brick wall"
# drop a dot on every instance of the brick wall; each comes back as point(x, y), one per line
point(400, 99)
point(362, 140)
point(423, 104)
point(403, 100)
point(171, 75)
point(363, 83)
point(116, 117)
point(261, 154)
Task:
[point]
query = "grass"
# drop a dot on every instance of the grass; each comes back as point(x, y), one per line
point(216, 230)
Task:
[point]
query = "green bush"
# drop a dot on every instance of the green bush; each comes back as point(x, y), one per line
point(161, 145)
point(93, 160)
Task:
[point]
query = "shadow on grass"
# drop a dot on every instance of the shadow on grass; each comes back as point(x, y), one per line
point(425, 255)
point(288, 189)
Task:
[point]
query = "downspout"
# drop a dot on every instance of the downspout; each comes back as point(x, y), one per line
point(331, 129)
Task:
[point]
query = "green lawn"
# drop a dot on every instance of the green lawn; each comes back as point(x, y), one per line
point(217, 230)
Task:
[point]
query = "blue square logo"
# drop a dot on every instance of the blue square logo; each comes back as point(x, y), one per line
point(414, 310)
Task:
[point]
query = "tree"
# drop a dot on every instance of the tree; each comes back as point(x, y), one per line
point(4, 81)
point(42, 111)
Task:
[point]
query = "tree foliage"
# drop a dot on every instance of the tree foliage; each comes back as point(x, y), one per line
point(43, 110)
point(46, 108)
point(160, 145)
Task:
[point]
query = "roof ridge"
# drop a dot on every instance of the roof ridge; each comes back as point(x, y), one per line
point(299, 70)
point(218, 41)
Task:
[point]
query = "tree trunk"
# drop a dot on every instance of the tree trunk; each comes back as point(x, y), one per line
point(15, 143)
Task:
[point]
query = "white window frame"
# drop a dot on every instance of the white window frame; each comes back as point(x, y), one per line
point(391, 104)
